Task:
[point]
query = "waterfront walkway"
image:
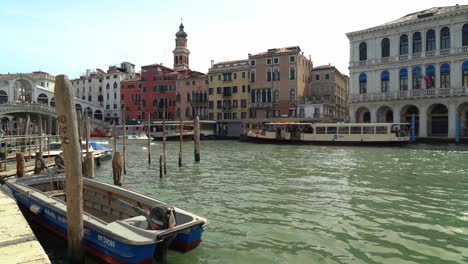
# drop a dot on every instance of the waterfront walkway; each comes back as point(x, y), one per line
point(18, 243)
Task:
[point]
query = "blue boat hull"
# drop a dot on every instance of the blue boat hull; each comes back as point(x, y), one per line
point(99, 244)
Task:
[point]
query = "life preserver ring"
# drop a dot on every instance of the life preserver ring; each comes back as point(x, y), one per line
point(39, 164)
point(59, 161)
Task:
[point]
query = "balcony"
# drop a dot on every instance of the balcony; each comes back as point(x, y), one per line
point(261, 105)
point(403, 57)
point(444, 52)
point(464, 49)
point(416, 55)
point(363, 62)
point(430, 53)
point(413, 94)
point(227, 94)
point(385, 60)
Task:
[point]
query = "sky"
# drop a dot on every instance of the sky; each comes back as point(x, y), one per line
point(68, 37)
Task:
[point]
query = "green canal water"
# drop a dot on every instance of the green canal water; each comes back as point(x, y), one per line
point(313, 204)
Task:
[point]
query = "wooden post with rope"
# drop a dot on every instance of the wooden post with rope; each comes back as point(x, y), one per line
point(68, 127)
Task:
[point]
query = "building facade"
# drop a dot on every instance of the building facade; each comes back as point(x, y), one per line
point(192, 96)
point(229, 90)
point(103, 89)
point(414, 66)
point(277, 78)
point(330, 87)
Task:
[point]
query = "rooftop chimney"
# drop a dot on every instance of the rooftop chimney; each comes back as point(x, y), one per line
point(212, 63)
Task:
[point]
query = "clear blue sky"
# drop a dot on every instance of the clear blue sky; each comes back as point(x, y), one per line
point(68, 37)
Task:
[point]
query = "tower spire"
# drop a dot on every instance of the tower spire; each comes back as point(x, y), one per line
point(181, 53)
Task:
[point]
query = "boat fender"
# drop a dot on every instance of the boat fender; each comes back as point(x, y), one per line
point(35, 209)
point(161, 217)
point(59, 161)
point(39, 164)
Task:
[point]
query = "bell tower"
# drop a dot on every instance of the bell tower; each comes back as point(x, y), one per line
point(181, 53)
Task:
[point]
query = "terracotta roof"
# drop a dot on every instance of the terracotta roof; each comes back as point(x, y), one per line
point(231, 62)
point(279, 50)
point(157, 65)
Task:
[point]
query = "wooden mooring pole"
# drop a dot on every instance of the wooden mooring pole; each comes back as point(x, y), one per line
point(89, 161)
point(196, 138)
point(124, 131)
point(180, 142)
point(19, 164)
point(68, 127)
point(164, 140)
point(149, 138)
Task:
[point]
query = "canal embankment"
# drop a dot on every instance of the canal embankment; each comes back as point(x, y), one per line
point(18, 243)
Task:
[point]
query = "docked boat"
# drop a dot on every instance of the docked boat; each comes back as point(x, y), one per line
point(120, 226)
point(107, 152)
point(172, 132)
point(54, 149)
point(330, 133)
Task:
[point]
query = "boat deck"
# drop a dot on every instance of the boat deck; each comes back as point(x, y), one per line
point(18, 243)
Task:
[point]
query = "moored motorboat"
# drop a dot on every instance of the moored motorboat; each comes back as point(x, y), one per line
point(120, 226)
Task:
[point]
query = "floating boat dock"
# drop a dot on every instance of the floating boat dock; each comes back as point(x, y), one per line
point(18, 243)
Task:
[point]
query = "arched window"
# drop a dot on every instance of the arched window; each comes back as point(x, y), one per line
point(430, 40)
point(417, 45)
point(385, 77)
point(363, 83)
point(465, 35)
point(264, 95)
point(268, 75)
point(403, 79)
point(292, 95)
point(188, 112)
point(115, 85)
point(276, 96)
point(465, 73)
point(107, 86)
point(143, 103)
point(445, 38)
point(430, 77)
point(178, 98)
point(188, 97)
point(385, 48)
point(417, 76)
point(404, 44)
point(363, 51)
point(155, 102)
point(445, 75)
point(252, 76)
point(178, 112)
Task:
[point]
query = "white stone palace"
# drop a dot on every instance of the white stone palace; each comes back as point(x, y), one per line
point(417, 64)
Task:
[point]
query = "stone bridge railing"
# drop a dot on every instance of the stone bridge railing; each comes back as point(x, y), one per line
point(37, 108)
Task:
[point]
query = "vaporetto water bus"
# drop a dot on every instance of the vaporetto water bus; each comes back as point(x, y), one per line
point(330, 133)
point(120, 226)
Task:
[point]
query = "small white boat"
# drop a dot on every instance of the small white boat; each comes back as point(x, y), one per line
point(54, 149)
point(133, 139)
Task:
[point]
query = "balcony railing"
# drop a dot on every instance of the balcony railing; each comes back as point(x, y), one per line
point(464, 49)
point(419, 55)
point(430, 53)
point(261, 105)
point(444, 52)
point(401, 95)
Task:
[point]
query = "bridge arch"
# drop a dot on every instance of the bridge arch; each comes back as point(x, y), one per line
point(3, 97)
point(98, 114)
